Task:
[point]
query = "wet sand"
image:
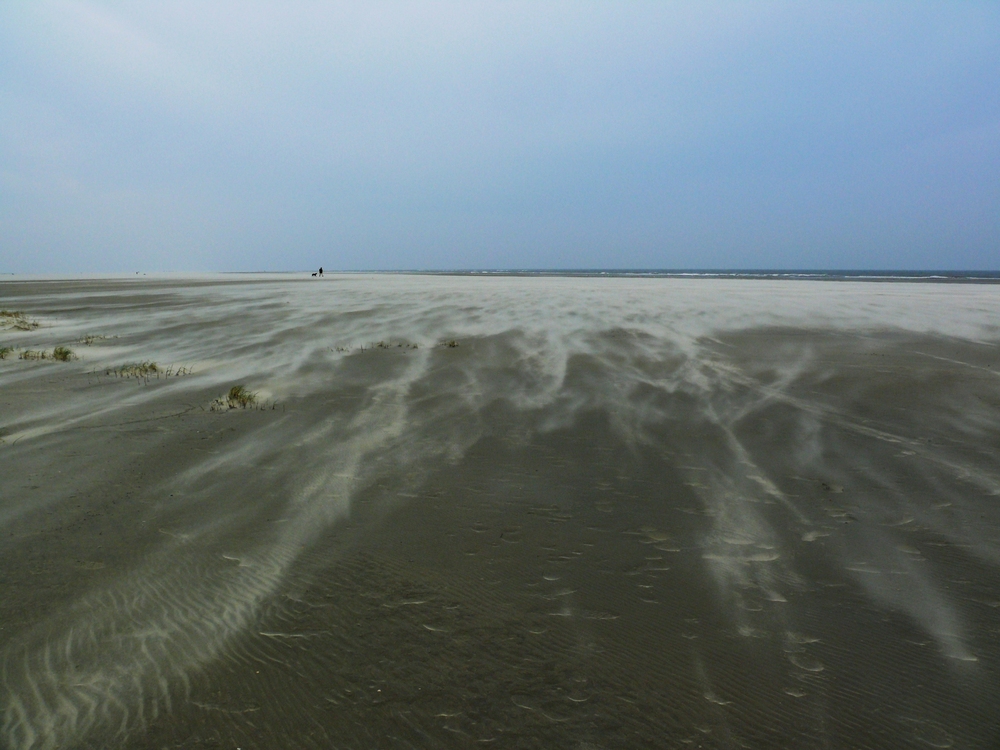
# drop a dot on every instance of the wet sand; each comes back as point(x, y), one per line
point(616, 513)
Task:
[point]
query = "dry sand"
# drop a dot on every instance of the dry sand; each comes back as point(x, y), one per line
point(618, 513)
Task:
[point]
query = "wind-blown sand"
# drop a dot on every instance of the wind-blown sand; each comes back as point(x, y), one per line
point(618, 513)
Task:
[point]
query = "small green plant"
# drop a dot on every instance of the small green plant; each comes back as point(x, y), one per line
point(91, 338)
point(5, 350)
point(63, 354)
point(17, 320)
point(451, 344)
point(33, 354)
point(240, 397)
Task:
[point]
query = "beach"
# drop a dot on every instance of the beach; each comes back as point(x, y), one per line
point(520, 512)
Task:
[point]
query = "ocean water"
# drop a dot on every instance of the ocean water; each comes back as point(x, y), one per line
point(964, 277)
point(520, 510)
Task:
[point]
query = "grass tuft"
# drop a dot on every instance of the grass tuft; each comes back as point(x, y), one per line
point(5, 350)
point(33, 354)
point(63, 354)
point(451, 344)
point(240, 397)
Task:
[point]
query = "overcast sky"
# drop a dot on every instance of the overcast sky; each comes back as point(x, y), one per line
point(168, 136)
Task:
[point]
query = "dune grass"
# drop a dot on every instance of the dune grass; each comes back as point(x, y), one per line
point(60, 354)
point(90, 338)
point(17, 320)
point(240, 397)
point(5, 350)
point(135, 370)
point(375, 345)
point(146, 370)
point(390, 345)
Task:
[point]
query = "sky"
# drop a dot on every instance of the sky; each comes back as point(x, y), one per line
point(254, 135)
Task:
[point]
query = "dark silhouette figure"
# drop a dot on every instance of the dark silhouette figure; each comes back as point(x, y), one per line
point(321, 270)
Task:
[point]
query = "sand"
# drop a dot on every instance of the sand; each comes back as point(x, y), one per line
point(500, 512)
